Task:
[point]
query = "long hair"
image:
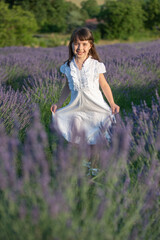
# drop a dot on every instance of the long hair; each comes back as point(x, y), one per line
point(83, 34)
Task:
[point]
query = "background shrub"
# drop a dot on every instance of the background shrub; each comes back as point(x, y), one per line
point(16, 26)
point(121, 18)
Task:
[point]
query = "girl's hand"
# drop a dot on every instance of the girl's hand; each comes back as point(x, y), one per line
point(115, 108)
point(54, 108)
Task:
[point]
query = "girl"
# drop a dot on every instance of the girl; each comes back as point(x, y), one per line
point(87, 109)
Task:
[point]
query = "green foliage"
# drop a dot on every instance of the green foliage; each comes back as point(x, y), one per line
point(74, 20)
point(16, 26)
point(53, 15)
point(51, 40)
point(121, 18)
point(96, 35)
point(152, 9)
point(50, 15)
point(56, 13)
point(91, 7)
point(63, 17)
point(37, 7)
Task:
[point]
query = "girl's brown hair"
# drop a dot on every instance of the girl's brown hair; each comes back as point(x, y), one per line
point(83, 34)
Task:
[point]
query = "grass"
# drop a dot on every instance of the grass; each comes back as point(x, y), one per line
point(57, 39)
point(50, 40)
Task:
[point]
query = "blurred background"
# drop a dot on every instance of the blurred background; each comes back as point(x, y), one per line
point(51, 189)
point(40, 23)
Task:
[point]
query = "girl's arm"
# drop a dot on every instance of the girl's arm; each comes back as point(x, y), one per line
point(65, 93)
point(108, 93)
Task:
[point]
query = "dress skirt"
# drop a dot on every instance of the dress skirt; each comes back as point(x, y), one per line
point(86, 112)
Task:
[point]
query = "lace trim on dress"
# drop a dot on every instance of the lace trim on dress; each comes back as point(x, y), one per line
point(74, 76)
point(86, 73)
point(84, 78)
point(80, 77)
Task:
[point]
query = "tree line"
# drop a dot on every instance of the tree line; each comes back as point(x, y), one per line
point(118, 19)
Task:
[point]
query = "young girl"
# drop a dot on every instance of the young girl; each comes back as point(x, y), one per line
point(87, 108)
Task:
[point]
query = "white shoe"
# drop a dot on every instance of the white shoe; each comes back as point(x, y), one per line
point(94, 171)
point(91, 171)
point(86, 164)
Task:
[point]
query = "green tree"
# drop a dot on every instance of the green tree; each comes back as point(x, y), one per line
point(122, 18)
point(91, 7)
point(152, 9)
point(37, 7)
point(10, 2)
point(50, 15)
point(16, 26)
point(74, 20)
point(75, 16)
point(56, 14)
point(53, 15)
point(63, 17)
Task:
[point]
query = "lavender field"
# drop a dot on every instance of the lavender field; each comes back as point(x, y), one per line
point(46, 189)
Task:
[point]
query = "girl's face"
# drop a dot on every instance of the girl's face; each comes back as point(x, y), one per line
point(81, 48)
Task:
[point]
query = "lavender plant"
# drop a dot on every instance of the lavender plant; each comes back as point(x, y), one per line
point(15, 109)
point(44, 91)
point(55, 197)
point(45, 189)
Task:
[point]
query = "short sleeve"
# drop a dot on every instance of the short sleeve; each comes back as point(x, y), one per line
point(101, 67)
point(62, 68)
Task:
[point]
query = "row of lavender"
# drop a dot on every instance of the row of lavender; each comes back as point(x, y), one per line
point(45, 191)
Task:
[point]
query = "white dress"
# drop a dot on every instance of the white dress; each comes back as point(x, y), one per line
point(87, 107)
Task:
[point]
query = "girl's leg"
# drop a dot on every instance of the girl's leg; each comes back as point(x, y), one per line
point(93, 156)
